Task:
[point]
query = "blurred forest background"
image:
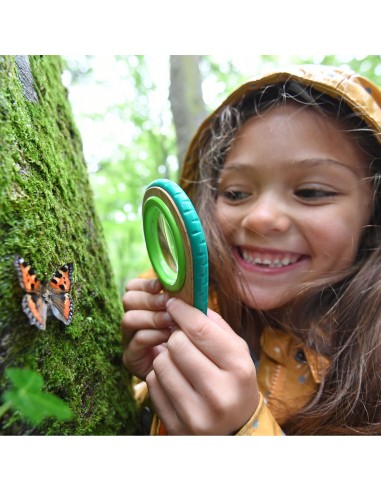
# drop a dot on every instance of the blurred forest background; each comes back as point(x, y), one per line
point(137, 114)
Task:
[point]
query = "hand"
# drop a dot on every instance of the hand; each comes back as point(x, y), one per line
point(145, 325)
point(204, 383)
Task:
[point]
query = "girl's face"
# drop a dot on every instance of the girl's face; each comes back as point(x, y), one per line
point(293, 199)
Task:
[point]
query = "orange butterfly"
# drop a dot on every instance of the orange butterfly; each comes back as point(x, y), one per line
point(42, 299)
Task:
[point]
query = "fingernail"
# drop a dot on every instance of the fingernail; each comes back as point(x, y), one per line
point(170, 300)
point(161, 299)
point(154, 284)
point(167, 318)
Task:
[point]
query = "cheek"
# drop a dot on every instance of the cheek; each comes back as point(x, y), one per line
point(226, 221)
point(336, 241)
point(219, 215)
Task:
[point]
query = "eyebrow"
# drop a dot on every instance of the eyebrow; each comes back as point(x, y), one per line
point(305, 163)
point(314, 162)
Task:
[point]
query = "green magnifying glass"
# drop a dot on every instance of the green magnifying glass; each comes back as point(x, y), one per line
point(176, 243)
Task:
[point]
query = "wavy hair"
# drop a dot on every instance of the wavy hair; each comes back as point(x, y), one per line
point(339, 316)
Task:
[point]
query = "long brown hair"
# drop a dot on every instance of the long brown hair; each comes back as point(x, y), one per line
point(337, 316)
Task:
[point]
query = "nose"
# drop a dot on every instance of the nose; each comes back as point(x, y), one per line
point(267, 215)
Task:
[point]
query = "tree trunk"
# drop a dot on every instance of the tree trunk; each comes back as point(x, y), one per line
point(47, 216)
point(185, 95)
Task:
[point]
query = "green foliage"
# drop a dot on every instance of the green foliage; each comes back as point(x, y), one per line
point(29, 400)
point(150, 152)
point(119, 181)
point(80, 67)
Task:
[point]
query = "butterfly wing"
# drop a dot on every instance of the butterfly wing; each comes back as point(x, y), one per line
point(58, 293)
point(32, 304)
point(62, 307)
point(36, 310)
point(62, 279)
point(27, 276)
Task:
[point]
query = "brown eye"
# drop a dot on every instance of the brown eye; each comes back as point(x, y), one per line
point(235, 196)
point(314, 193)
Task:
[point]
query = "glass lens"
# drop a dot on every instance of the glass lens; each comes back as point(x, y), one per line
point(167, 243)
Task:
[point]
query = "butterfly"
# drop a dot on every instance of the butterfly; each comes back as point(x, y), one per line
point(43, 298)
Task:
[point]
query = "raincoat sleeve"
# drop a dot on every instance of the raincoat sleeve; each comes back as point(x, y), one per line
point(262, 423)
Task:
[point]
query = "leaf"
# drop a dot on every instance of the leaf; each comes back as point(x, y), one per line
point(33, 404)
point(35, 407)
point(25, 378)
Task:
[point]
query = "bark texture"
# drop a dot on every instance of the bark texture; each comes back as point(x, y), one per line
point(47, 216)
point(185, 95)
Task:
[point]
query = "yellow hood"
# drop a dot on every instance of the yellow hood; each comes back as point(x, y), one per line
point(362, 95)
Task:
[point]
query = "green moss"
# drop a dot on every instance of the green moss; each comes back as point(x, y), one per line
point(47, 216)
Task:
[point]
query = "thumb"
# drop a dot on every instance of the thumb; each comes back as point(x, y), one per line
point(217, 318)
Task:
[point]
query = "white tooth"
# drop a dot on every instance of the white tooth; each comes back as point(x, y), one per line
point(277, 263)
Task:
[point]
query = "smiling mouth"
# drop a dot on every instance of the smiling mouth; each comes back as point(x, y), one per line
point(269, 260)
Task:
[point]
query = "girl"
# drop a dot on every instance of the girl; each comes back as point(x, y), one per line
point(285, 178)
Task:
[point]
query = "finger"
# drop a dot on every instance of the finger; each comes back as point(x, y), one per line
point(140, 300)
point(217, 318)
point(146, 339)
point(143, 348)
point(163, 406)
point(195, 366)
point(147, 285)
point(134, 321)
point(176, 388)
point(213, 337)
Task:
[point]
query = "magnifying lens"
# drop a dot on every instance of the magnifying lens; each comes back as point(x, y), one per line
point(176, 243)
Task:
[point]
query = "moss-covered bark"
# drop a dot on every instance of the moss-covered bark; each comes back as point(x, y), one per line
point(47, 216)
